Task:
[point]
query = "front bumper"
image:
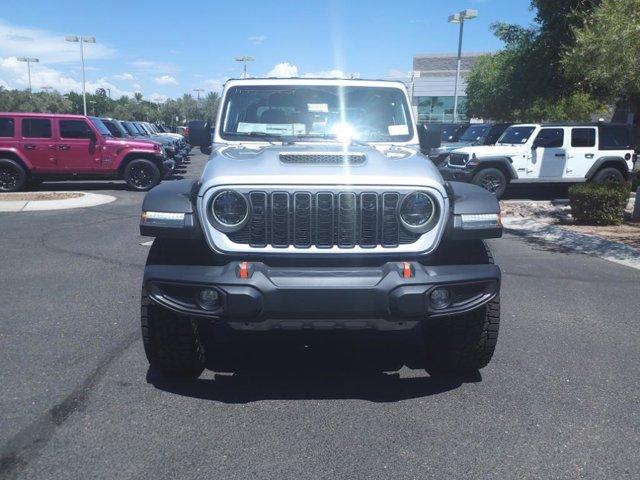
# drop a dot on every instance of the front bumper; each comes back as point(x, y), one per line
point(455, 174)
point(384, 298)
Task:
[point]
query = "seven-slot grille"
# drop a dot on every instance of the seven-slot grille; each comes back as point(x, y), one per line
point(458, 159)
point(323, 220)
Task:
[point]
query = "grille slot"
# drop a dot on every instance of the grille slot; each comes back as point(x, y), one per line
point(324, 219)
point(458, 159)
point(302, 219)
point(389, 220)
point(280, 219)
point(323, 159)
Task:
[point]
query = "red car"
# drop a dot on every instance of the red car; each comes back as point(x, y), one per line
point(37, 147)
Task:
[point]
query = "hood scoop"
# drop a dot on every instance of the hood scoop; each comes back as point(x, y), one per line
point(338, 158)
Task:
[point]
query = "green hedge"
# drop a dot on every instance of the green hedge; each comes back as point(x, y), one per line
point(599, 203)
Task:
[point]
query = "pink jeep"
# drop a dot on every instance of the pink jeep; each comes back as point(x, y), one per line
point(36, 147)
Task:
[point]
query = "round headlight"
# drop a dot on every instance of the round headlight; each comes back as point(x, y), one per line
point(230, 209)
point(417, 212)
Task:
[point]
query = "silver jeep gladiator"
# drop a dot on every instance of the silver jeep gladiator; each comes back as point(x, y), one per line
point(316, 210)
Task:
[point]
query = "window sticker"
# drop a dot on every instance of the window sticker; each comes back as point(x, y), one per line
point(272, 128)
point(398, 130)
point(318, 107)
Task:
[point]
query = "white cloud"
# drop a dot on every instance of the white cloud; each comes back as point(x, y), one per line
point(329, 74)
point(158, 98)
point(13, 74)
point(214, 84)
point(153, 67)
point(283, 70)
point(257, 39)
point(396, 74)
point(124, 76)
point(166, 80)
point(49, 47)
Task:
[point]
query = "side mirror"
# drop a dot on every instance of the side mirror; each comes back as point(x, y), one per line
point(429, 135)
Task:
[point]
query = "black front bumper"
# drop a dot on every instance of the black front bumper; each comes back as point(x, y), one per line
point(385, 297)
point(455, 174)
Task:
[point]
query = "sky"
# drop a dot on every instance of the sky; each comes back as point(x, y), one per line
point(164, 49)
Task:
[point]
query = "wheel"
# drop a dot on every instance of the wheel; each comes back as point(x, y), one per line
point(462, 344)
point(608, 175)
point(206, 150)
point(12, 176)
point(171, 343)
point(491, 179)
point(142, 175)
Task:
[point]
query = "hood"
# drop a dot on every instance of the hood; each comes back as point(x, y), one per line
point(491, 150)
point(134, 143)
point(447, 147)
point(310, 164)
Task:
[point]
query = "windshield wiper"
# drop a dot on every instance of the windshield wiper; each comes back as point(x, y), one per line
point(269, 137)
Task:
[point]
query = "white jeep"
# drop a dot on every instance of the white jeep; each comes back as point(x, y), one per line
point(546, 153)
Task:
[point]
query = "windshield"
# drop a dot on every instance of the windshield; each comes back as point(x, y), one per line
point(514, 135)
point(450, 132)
point(128, 126)
point(473, 133)
point(100, 126)
point(374, 114)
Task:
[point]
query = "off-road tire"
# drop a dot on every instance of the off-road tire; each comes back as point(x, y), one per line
point(13, 177)
point(142, 174)
point(492, 180)
point(462, 344)
point(172, 343)
point(608, 175)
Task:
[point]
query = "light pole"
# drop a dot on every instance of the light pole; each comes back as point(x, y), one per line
point(29, 61)
point(82, 41)
point(466, 14)
point(198, 90)
point(244, 59)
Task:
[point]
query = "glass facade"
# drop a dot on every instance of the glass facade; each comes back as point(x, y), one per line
point(440, 109)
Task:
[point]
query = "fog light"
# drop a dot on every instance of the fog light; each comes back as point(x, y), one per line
point(440, 298)
point(208, 299)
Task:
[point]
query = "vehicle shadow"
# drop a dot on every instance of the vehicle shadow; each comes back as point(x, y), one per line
point(250, 369)
point(536, 192)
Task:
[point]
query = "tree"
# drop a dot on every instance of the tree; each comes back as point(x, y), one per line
point(525, 81)
point(606, 54)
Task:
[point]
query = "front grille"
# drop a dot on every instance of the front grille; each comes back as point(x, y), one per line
point(458, 159)
point(323, 220)
point(323, 159)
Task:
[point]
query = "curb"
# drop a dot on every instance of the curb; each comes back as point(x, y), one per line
point(577, 242)
point(86, 200)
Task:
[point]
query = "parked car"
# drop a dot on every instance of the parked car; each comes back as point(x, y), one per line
point(546, 153)
point(119, 131)
point(38, 146)
point(169, 144)
point(199, 135)
point(317, 212)
point(474, 134)
point(451, 132)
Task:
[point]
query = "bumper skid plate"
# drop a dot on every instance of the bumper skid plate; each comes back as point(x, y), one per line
point(356, 297)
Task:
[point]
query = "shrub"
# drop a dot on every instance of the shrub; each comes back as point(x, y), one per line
point(599, 203)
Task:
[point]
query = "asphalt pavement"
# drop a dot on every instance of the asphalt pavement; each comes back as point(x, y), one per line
point(559, 400)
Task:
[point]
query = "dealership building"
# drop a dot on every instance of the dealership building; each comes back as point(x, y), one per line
point(433, 84)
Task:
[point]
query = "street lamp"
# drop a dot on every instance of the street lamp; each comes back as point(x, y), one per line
point(29, 62)
point(244, 59)
point(466, 14)
point(82, 41)
point(198, 90)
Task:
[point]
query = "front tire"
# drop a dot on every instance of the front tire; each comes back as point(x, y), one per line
point(172, 343)
point(492, 180)
point(462, 344)
point(142, 175)
point(12, 176)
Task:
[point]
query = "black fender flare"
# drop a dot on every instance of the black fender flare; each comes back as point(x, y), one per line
point(614, 161)
point(505, 162)
point(177, 196)
point(469, 199)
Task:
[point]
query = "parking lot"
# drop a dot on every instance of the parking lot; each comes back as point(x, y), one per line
point(559, 399)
